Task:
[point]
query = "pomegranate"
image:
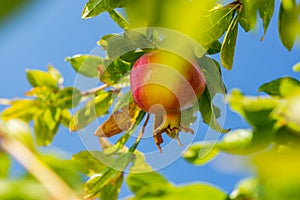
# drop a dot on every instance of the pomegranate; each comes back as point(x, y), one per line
point(164, 84)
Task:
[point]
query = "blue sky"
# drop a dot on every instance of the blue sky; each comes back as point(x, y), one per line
point(49, 31)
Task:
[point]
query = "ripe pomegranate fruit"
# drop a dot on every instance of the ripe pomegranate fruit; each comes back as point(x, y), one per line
point(164, 84)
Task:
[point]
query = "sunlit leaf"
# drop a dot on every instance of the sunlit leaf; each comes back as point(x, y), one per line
point(68, 97)
point(288, 23)
point(247, 16)
point(89, 162)
point(114, 71)
point(20, 109)
point(112, 189)
point(55, 74)
point(279, 87)
point(246, 189)
point(92, 109)
point(86, 65)
point(228, 46)
point(266, 10)
point(119, 19)
point(65, 117)
point(296, 67)
point(40, 78)
point(97, 182)
point(257, 111)
point(95, 7)
point(200, 153)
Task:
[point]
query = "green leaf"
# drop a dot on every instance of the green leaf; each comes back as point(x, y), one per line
point(40, 78)
point(94, 108)
point(55, 74)
point(140, 181)
point(228, 46)
point(5, 165)
point(111, 190)
point(19, 131)
point(279, 87)
point(194, 191)
point(97, 182)
point(246, 189)
point(123, 100)
point(65, 117)
point(288, 23)
point(214, 48)
point(46, 124)
point(200, 153)
point(119, 19)
point(23, 109)
point(266, 10)
point(86, 65)
point(68, 97)
point(296, 67)
point(89, 162)
point(67, 170)
point(22, 189)
point(208, 113)
point(95, 7)
point(247, 15)
point(114, 72)
point(217, 23)
point(257, 111)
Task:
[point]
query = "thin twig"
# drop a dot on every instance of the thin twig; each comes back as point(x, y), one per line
point(94, 90)
point(57, 188)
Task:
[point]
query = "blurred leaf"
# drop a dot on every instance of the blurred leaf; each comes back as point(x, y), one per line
point(8, 8)
point(207, 111)
point(296, 67)
point(282, 180)
point(123, 100)
point(200, 153)
point(247, 16)
point(287, 23)
point(278, 87)
point(89, 162)
point(257, 111)
point(114, 72)
point(65, 117)
point(266, 10)
point(86, 65)
point(245, 189)
point(23, 109)
point(55, 74)
point(92, 109)
point(140, 181)
point(66, 169)
point(46, 124)
point(228, 46)
point(40, 78)
point(5, 165)
point(68, 97)
point(97, 182)
point(23, 189)
point(95, 7)
point(19, 131)
point(194, 191)
point(119, 19)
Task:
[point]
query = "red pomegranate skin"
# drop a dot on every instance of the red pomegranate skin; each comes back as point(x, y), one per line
point(164, 84)
point(163, 78)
